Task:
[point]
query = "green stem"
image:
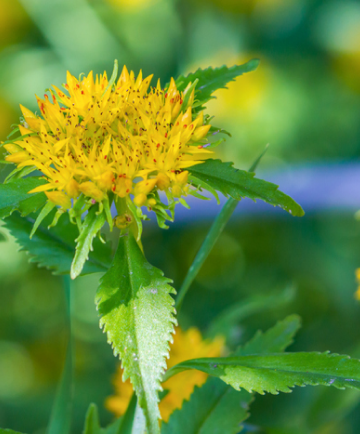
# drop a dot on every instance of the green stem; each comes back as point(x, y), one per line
point(60, 419)
point(210, 240)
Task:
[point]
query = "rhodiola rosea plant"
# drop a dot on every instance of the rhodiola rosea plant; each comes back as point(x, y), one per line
point(107, 152)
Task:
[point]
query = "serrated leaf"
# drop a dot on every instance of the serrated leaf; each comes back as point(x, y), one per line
point(276, 373)
point(240, 183)
point(91, 226)
point(204, 413)
point(211, 79)
point(14, 196)
point(212, 409)
point(274, 340)
point(55, 248)
point(137, 313)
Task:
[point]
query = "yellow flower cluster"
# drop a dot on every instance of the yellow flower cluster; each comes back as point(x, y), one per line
point(187, 345)
point(99, 137)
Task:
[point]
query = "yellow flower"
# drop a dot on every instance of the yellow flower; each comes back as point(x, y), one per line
point(100, 137)
point(187, 345)
point(357, 274)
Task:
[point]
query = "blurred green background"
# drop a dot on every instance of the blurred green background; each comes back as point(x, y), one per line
point(303, 99)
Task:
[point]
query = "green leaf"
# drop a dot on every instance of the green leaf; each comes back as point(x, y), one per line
point(211, 79)
point(129, 420)
point(92, 424)
point(240, 183)
point(55, 248)
point(228, 319)
point(137, 313)
point(212, 409)
point(47, 208)
point(8, 431)
point(276, 373)
point(93, 223)
point(204, 413)
point(274, 340)
point(14, 196)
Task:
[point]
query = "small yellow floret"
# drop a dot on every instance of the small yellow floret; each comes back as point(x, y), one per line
point(59, 198)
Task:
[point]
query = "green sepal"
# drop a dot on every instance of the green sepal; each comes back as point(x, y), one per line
point(108, 215)
point(274, 373)
point(137, 216)
point(240, 183)
point(91, 226)
point(113, 77)
point(7, 142)
point(55, 248)
point(137, 313)
point(47, 208)
point(15, 196)
point(201, 184)
point(217, 130)
point(18, 173)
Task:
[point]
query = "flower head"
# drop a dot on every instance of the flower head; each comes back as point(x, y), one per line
point(187, 345)
point(100, 139)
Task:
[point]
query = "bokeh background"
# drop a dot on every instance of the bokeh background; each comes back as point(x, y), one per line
point(304, 100)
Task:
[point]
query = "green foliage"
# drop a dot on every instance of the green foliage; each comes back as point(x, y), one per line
point(137, 313)
point(202, 185)
point(8, 431)
point(211, 79)
point(275, 373)
point(46, 209)
point(204, 413)
point(92, 424)
point(91, 226)
point(240, 183)
point(55, 248)
point(274, 340)
point(213, 409)
point(225, 322)
point(15, 196)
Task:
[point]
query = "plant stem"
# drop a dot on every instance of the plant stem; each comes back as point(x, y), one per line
point(60, 419)
point(210, 240)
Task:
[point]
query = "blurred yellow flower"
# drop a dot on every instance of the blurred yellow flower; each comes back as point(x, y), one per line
point(187, 345)
point(357, 274)
point(131, 5)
